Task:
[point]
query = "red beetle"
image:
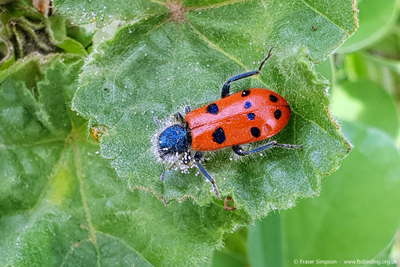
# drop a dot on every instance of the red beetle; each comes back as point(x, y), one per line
point(248, 116)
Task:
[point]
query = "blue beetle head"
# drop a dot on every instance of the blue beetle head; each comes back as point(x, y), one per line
point(173, 140)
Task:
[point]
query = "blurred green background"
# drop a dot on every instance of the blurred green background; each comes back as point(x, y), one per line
point(355, 220)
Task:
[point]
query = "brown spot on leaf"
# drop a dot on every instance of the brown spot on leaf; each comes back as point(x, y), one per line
point(43, 6)
point(176, 10)
point(97, 132)
point(229, 205)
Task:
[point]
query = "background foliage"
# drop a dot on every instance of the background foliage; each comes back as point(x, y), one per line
point(71, 198)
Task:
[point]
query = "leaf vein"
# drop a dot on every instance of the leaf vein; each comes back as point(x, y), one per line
point(323, 15)
point(125, 244)
point(215, 47)
point(79, 174)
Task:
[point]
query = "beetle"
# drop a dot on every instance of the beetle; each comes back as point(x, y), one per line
point(248, 116)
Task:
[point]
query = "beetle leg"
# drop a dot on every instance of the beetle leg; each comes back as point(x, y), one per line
point(197, 158)
point(179, 117)
point(187, 110)
point(226, 86)
point(163, 172)
point(239, 151)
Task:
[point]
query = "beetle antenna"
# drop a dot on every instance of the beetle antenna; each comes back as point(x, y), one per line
point(156, 121)
point(162, 163)
point(163, 172)
point(265, 59)
point(197, 158)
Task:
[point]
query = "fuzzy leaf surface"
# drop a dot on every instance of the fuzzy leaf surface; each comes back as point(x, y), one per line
point(62, 205)
point(103, 12)
point(158, 66)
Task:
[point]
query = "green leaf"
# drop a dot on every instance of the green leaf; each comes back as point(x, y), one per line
point(376, 20)
point(316, 25)
point(157, 67)
point(82, 34)
point(355, 217)
point(264, 243)
point(7, 58)
point(60, 202)
point(393, 65)
point(58, 34)
point(387, 47)
point(104, 12)
point(225, 259)
point(363, 102)
point(319, 25)
point(33, 128)
point(234, 252)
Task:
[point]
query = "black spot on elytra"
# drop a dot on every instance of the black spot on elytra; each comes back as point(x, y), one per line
point(218, 136)
point(273, 98)
point(245, 93)
point(255, 132)
point(277, 114)
point(250, 116)
point(212, 109)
